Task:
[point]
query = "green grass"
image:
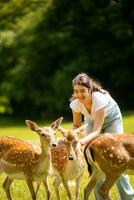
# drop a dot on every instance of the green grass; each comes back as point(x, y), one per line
point(19, 190)
point(128, 122)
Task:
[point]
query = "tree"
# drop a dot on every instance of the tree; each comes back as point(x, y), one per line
point(56, 42)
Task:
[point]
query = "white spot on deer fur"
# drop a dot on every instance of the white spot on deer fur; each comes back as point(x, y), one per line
point(113, 147)
point(118, 151)
point(99, 142)
point(118, 157)
point(111, 155)
point(105, 151)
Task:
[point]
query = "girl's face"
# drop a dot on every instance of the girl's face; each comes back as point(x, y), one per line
point(81, 92)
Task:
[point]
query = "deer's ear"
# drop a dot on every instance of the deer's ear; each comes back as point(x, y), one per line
point(62, 130)
point(32, 125)
point(56, 123)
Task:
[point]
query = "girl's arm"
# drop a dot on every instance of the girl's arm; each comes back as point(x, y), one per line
point(77, 120)
point(98, 122)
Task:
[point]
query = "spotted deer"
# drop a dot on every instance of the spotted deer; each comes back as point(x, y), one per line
point(108, 155)
point(22, 160)
point(68, 161)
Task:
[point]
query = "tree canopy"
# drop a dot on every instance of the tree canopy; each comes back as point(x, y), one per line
point(44, 44)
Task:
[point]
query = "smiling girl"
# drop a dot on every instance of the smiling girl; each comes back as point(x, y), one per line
point(102, 114)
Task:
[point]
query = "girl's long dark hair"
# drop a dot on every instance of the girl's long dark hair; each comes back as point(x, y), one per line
point(84, 80)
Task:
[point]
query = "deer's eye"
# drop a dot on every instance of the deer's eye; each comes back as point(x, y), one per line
point(42, 134)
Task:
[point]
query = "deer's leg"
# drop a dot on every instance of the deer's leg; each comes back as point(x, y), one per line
point(31, 188)
point(6, 186)
point(89, 187)
point(78, 181)
point(37, 187)
point(45, 182)
point(106, 186)
point(57, 182)
point(65, 183)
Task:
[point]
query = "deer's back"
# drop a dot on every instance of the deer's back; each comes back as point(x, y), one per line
point(127, 141)
point(17, 152)
point(112, 152)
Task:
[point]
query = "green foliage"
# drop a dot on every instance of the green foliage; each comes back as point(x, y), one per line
point(44, 44)
point(5, 105)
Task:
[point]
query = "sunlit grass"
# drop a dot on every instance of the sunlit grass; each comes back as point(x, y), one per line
point(19, 189)
point(128, 122)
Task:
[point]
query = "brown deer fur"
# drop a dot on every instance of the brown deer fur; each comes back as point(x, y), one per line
point(109, 155)
point(22, 160)
point(68, 161)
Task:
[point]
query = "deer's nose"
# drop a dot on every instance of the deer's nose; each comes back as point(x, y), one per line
point(70, 157)
point(54, 144)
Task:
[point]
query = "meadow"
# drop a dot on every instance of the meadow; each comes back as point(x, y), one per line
point(19, 190)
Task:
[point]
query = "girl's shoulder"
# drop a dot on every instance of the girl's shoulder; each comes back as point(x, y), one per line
point(99, 94)
point(99, 100)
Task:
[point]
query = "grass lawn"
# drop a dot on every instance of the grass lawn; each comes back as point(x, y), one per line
point(19, 190)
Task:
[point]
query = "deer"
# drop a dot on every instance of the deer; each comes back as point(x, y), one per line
point(109, 156)
point(68, 161)
point(22, 160)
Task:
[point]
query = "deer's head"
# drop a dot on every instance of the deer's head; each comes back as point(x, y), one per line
point(47, 134)
point(71, 141)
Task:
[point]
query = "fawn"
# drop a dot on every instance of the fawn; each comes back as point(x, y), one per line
point(68, 161)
